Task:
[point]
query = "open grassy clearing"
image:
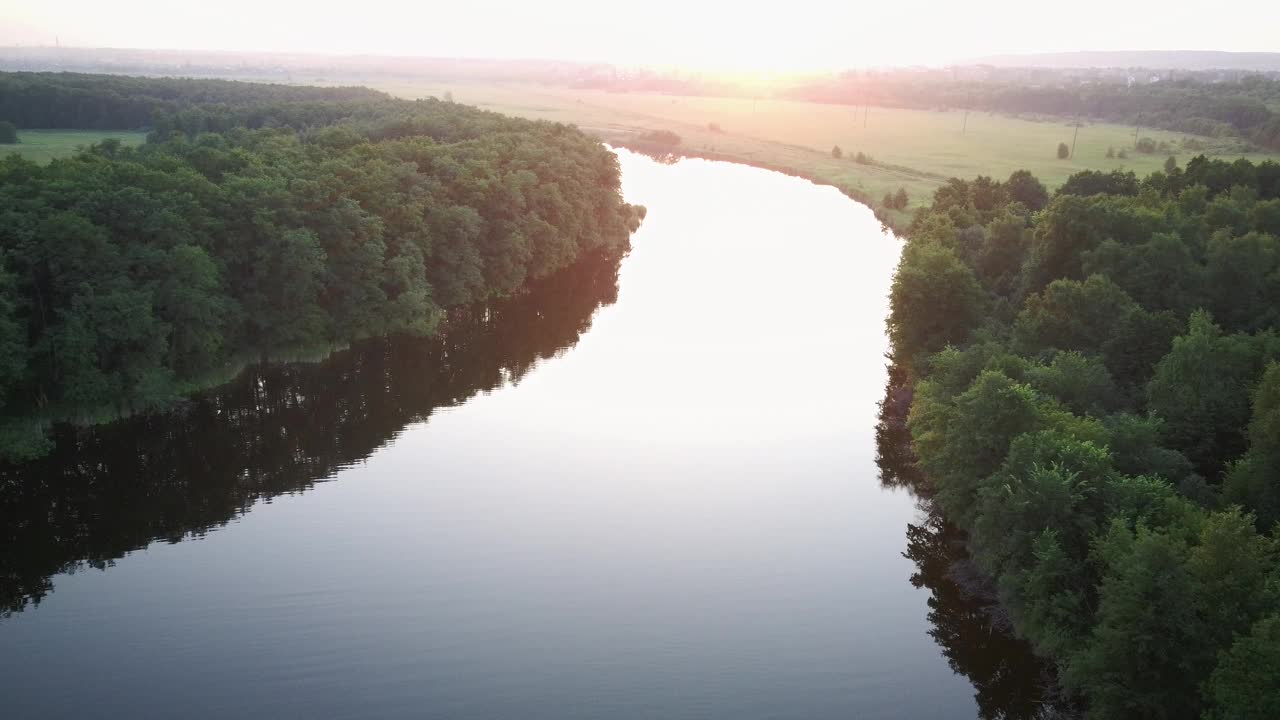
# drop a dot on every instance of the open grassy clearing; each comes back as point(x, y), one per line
point(914, 149)
point(45, 145)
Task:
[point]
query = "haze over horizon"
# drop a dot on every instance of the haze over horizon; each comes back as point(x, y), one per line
point(809, 36)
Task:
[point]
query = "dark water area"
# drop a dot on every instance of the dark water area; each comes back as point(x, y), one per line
point(655, 490)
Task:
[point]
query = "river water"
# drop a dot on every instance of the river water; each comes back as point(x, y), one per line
point(645, 492)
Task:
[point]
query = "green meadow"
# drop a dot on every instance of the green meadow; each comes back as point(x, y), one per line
point(44, 145)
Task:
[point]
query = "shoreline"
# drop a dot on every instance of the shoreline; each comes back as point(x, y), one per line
point(897, 226)
point(35, 428)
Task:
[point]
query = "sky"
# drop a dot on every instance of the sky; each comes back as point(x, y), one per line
point(792, 35)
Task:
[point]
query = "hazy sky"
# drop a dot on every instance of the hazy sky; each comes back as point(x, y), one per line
point(778, 35)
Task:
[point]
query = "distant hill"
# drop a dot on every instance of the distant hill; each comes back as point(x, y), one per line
point(1156, 59)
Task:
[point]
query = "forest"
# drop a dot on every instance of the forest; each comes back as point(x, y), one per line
point(259, 220)
point(1190, 104)
point(1091, 386)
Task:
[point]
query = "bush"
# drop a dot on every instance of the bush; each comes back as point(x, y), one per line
point(1063, 151)
point(1111, 152)
point(836, 152)
point(900, 199)
point(661, 138)
point(896, 200)
point(862, 158)
point(8, 133)
point(1122, 154)
point(1146, 146)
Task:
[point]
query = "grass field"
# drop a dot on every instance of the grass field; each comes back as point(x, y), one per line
point(45, 145)
point(914, 149)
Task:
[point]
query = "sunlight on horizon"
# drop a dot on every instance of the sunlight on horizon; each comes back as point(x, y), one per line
point(801, 35)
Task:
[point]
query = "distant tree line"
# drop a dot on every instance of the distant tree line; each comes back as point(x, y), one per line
point(1243, 108)
point(115, 102)
point(277, 219)
point(1092, 386)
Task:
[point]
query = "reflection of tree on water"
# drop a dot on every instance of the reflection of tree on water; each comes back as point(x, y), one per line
point(1010, 682)
point(656, 154)
point(111, 489)
point(896, 461)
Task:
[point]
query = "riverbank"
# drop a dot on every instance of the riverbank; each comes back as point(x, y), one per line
point(891, 219)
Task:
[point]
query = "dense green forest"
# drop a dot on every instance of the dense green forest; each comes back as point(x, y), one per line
point(1194, 105)
point(1093, 384)
point(261, 219)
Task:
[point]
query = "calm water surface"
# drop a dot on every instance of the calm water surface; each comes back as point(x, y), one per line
point(645, 493)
